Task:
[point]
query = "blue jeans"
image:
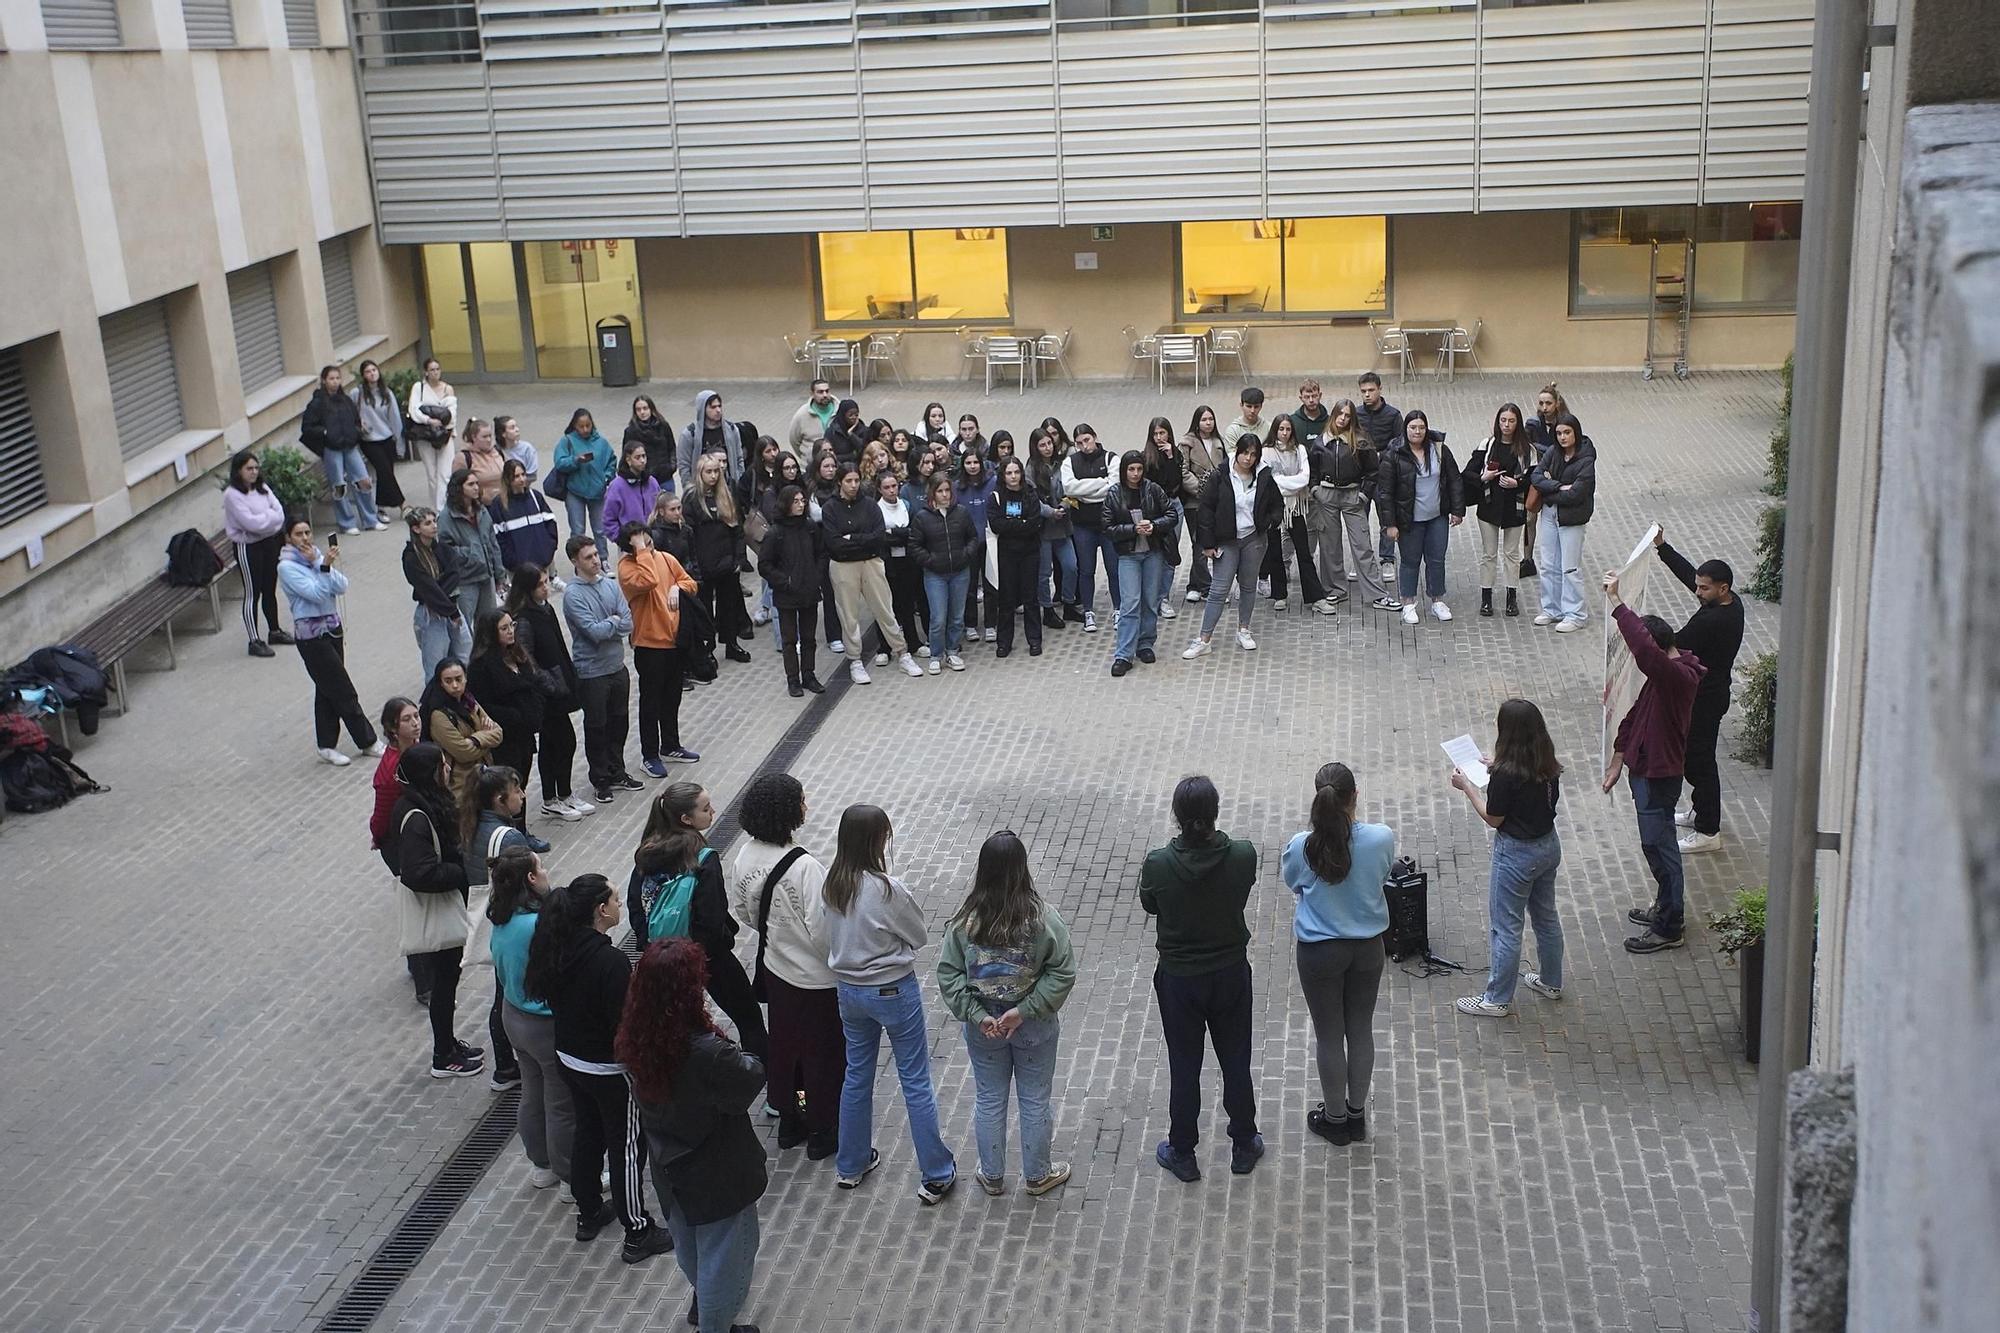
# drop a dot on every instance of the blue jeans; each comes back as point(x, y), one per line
point(716, 1257)
point(1423, 541)
point(438, 638)
point(1027, 1060)
point(1139, 577)
point(1559, 568)
point(353, 494)
point(1088, 543)
point(1523, 883)
point(1057, 565)
point(866, 1012)
point(588, 512)
point(1655, 799)
point(946, 595)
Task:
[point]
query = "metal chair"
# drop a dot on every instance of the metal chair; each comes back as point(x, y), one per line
point(1231, 343)
point(1004, 354)
point(971, 350)
point(1144, 348)
point(1178, 349)
point(835, 353)
point(800, 349)
point(888, 349)
point(1460, 342)
point(1053, 348)
point(1391, 341)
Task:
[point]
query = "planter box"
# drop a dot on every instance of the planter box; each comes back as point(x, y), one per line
point(1750, 962)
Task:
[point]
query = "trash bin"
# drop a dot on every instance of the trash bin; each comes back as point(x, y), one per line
point(614, 352)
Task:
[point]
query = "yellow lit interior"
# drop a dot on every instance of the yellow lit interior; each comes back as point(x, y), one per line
point(1337, 264)
point(572, 285)
point(1226, 268)
point(966, 275)
point(866, 275)
point(1322, 266)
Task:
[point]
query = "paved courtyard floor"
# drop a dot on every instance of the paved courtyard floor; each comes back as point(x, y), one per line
point(214, 1103)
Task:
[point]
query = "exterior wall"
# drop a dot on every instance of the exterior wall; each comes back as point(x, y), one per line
point(150, 172)
point(717, 307)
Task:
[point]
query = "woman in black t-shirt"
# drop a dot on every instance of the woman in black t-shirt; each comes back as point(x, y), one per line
point(1520, 804)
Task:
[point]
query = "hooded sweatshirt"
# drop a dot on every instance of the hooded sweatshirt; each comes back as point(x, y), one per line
point(586, 480)
point(1653, 736)
point(698, 438)
point(1198, 891)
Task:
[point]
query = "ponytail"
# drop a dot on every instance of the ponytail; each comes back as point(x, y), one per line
point(1330, 844)
point(565, 918)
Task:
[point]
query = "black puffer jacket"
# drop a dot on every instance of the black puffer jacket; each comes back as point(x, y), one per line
point(1396, 485)
point(331, 421)
point(1153, 504)
point(1575, 506)
point(943, 543)
point(1496, 504)
point(790, 561)
point(1215, 511)
point(853, 529)
point(1015, 517)
point(718, 546)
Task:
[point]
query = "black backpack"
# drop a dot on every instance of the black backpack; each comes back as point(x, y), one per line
point(191, 561)
point(37, 780)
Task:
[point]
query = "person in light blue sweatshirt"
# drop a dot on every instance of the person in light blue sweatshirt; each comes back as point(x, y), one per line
point(1337, 869)
point(585, 461)
point(314, 585)
point(599, 620)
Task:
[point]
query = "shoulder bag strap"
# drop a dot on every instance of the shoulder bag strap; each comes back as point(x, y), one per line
point(785, 863)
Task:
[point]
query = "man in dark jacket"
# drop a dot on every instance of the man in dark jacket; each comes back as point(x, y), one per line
point(1197, 886)
point(1652, 744)
point(1383, 424)
point(1714, 634)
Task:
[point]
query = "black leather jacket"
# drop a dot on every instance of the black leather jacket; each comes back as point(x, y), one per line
point(1152, 502)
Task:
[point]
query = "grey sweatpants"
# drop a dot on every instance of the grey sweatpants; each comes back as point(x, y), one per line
point(547, 1118)
point(1340, 979)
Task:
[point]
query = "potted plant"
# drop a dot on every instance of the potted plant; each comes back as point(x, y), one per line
point(294, 477)
point(1739, 932)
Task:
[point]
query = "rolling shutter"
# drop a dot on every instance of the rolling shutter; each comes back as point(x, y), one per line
point(145, 395)
point(209, 22)
point(81, 24)
point(343, 311)
point(21, 488)
point(301, 23)
point(253, 311)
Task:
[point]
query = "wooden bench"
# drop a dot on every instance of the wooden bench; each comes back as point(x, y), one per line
point(143, 613)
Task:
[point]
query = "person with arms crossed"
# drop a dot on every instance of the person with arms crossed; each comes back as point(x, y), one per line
point(598, 618)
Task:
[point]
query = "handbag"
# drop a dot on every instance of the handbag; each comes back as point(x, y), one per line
point(756, 527)
point(759, 973)
point(429, 921)
point(555, 486)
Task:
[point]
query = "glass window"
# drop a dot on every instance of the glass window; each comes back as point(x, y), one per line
point(899, 276)
point(571, 286)
point(1118, 15)
point(1746, 255)
point(1318, 266)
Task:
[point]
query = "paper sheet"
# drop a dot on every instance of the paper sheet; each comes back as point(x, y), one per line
point(1463, 752)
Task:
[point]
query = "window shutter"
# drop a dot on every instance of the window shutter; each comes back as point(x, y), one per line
point(21, 487)
point(342, 309)
point(81, 24)
point(209, 22)
point(145, 395)
point(253, 310)
point(302, 23)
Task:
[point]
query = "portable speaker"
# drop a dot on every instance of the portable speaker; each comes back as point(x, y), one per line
point(1407, 890)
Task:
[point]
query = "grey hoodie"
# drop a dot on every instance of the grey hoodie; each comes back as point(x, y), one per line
point(875, 941)
point(689, 448)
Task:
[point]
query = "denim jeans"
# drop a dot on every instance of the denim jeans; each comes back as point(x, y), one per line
point(353, 495)
point(1089, 542)
point(1236, 560)
point(1424, 542)
point(1655, 799)
point(866, 1012)
point(438, 638)
point(1140, 578)
point(590, 512)
point(1523, 884)
point(946, 595)
point(1027, 1060)
point(1057, 571)
point(717, 1259)
point(1559, 569)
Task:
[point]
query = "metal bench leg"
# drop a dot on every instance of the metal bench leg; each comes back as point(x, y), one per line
point(214, 607)
point(118, 681)
point(173, 658)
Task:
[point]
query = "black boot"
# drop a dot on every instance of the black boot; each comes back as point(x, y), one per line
point(1072, 613)
point(1486, 602)
point(1051, 618)
point(1513, 603)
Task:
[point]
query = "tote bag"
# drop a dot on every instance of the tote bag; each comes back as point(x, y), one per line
point(428, 922)
point(479, 941)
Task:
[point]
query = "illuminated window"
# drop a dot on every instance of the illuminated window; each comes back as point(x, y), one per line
point(1746, 256)
point(1317, 266)
point(901, 276)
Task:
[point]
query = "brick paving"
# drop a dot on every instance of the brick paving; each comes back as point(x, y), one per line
point(215, 1103)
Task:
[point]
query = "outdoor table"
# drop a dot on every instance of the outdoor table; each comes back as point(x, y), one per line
point(1441, 329)
point(1226, 293)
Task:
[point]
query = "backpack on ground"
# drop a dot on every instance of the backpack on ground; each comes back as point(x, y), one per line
point(46, 779)
point(191, 561)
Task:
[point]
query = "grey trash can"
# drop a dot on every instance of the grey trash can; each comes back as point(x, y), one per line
point(614, 352)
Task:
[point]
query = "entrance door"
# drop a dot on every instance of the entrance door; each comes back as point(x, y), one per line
point(472, 296)
point(571, 286)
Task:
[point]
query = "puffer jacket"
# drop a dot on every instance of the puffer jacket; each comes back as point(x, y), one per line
point(1215, 512)
point(943, 543)
point(1396, 485)
point(790, 561)
point(1575, 506)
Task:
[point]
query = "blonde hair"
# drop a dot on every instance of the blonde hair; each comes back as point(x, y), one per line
point(714, 500)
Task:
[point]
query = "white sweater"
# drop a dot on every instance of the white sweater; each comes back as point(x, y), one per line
point(797, 947)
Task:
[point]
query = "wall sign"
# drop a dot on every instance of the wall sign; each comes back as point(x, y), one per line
point(1086, 261)
point(1104, 233)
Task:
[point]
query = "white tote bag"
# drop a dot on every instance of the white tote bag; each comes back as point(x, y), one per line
point(428, 922)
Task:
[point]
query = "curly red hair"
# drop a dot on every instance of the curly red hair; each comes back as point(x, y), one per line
point(665, 1009)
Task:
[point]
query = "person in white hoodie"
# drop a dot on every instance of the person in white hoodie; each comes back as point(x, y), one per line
point(1086, 480)
point(1291, 468)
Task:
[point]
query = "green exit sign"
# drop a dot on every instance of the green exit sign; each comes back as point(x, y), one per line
point(1104, 233)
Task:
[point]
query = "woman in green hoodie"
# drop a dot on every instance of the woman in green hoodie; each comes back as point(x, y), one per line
point(1004, 970)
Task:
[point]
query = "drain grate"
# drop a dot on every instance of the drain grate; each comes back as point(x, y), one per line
point(398, 1256)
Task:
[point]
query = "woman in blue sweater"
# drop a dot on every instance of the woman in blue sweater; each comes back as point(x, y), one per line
point(523, 523)
point(313, 585)
point(1337, 868)
point(585, 460)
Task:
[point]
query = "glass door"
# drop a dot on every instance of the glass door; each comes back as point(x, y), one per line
point(472, 301)
point(571, 285)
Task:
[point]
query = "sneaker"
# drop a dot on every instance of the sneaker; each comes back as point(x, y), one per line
point(1387, 604)
point(954, 661)
point(1684, 818)
point(813, 685)
point(542, 1178)
point(935, 667)
point(1182, 1164)
point(1245, 642)
point(1058, 1175)
point(603, 796)
point(578, 804)
point(258, 648)
point(350, 532)
point(561, 810)
point(1653, 942)
point(643, 1245)
point(334, 757)
point(466, 1052)
point(1119, 666)
point(1700, 842)
point(1439, 611)
point(460, 1065)
point(1544, 618)
point(680, 754)
point(909, 665)
point(654, 767)
point(1326, 606)
point(836, 647)
point(991, 634)
point(1279, 604)
point(859, 674)
point(993, 1186)
point(1642, 916)
point(1478, 1007)
point(1196, 649)
point(1320, 1123)
point(1193, 596)
point(587, 1228)
point(504, 1078)
point(881, 659)
point(378, 749)
point(566, 1194)
point(1533, 981)
point(1338, 595)
point(1090, 622)
point(1167, 611)
point(1148, 656)
point(557, 584)
point(1569, 626)
point(854, 1182)
point(279, 639)
point(1243, 1157)
point(539, 846)
point(760, 617)
point(1353, 576)
point(1409, 615)
point(380, 526)
point(626, 782)
point(932, 1192)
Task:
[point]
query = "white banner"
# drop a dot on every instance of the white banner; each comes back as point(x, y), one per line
point(1621, 674)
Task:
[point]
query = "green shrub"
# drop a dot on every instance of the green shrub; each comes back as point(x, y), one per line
point(1758, 738)
point(294, 476)
point(1769, 580)
point(1743, 924)
point(401, 381)
point(1779, 460)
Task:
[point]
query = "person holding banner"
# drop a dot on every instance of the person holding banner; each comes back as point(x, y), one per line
point(1715, 635)
point(1652, 745)
point(1566, 481)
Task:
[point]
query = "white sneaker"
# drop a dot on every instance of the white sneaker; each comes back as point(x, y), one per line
point(1353, 576)
point(1544, 618)
point(1327, 607)
point(580, 805)
point(991, 634)
point(557, 810)
point(954, 661)
point(1090, 622)
point(1439, 611)
point(760, 617)
point(909, 665)
point(1477, 1006)
point(1409, 614)
point(1684, 818)
point(1278, 604)
point(1245, 642)
point(380, 526)
point(350, 532)
point(1533, 981)
point(1167, 611)
point(1196, 649)
point(1193, 596)
point(557, 584)
point(564, 1193)
point(881, 659)
point(378, 749)
point(1700, 842)
point(859, 674)
point(334, 757)
point(834, 646)
point(541, 1177)
point(924, 651)
point(1569, 626)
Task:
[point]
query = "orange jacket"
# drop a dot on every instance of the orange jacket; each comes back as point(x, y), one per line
point(644, 579)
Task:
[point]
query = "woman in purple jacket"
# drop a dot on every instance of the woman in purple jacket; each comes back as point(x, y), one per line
point(630, 496)
point(254, 518)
